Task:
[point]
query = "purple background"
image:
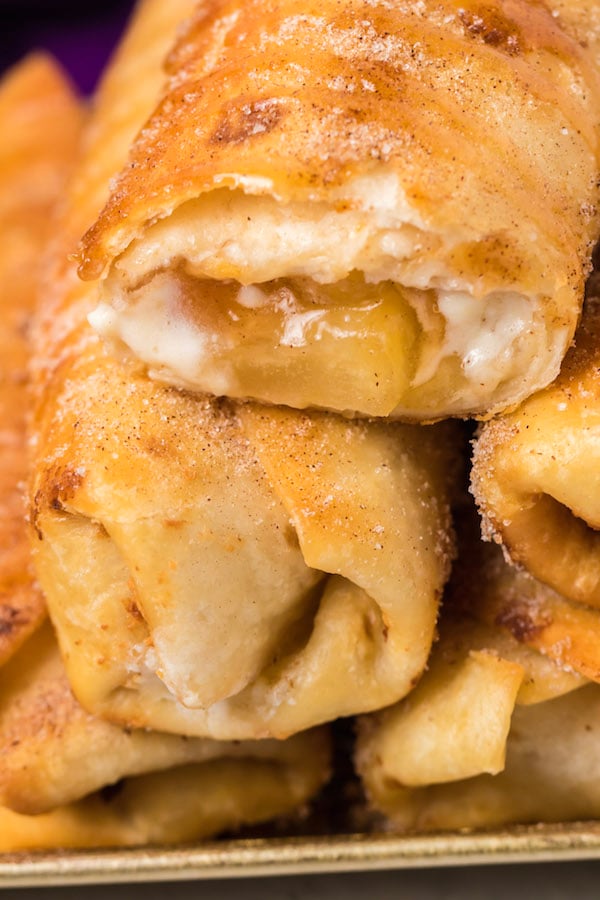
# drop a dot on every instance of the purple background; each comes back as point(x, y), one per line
point(81, 35)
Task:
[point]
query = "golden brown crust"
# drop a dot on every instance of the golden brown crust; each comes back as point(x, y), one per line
point(551, 775)
point(304, 130)
point(183, 803)
point(117, 116)
point(557, 641)
point(219, 526)
point(454, 725)
point(536, 474)
point(536, 616)
point(182, 523)
point(53, 754)
point(501, 728)
point(35, 100)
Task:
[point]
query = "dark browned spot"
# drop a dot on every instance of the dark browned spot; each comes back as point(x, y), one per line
point(111, 791)
point(101, 531)
point(520, 624)
point(11, 618)
point(134, 610)
point(291, 536)
point(239, 123)
point(492, 28)
point(59, 486)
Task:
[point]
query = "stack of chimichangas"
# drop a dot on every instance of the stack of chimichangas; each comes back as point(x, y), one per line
point(311, 232)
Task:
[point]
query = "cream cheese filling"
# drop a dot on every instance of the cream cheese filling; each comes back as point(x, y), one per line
point(485, 334)
point(168, 344)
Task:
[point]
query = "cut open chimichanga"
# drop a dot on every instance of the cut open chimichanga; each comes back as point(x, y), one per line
point(384, 209)
point(211, 567)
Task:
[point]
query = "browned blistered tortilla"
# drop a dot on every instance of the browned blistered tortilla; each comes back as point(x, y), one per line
point(211, 567)
point(384, 208)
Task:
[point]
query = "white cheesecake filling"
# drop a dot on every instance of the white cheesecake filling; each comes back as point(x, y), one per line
point(485, 334)
point(154, 330)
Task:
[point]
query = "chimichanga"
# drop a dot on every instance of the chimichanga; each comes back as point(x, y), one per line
point(487, 736)
point(536, 474)
point(53, 754)
point(211, 567)
point(551, 774)
point(511, 602)
point(177, 805)
point(454, 725)
point(385, 208)
point(34, 100)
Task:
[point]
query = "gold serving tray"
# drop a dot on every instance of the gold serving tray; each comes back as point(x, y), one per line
point(302, 855)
